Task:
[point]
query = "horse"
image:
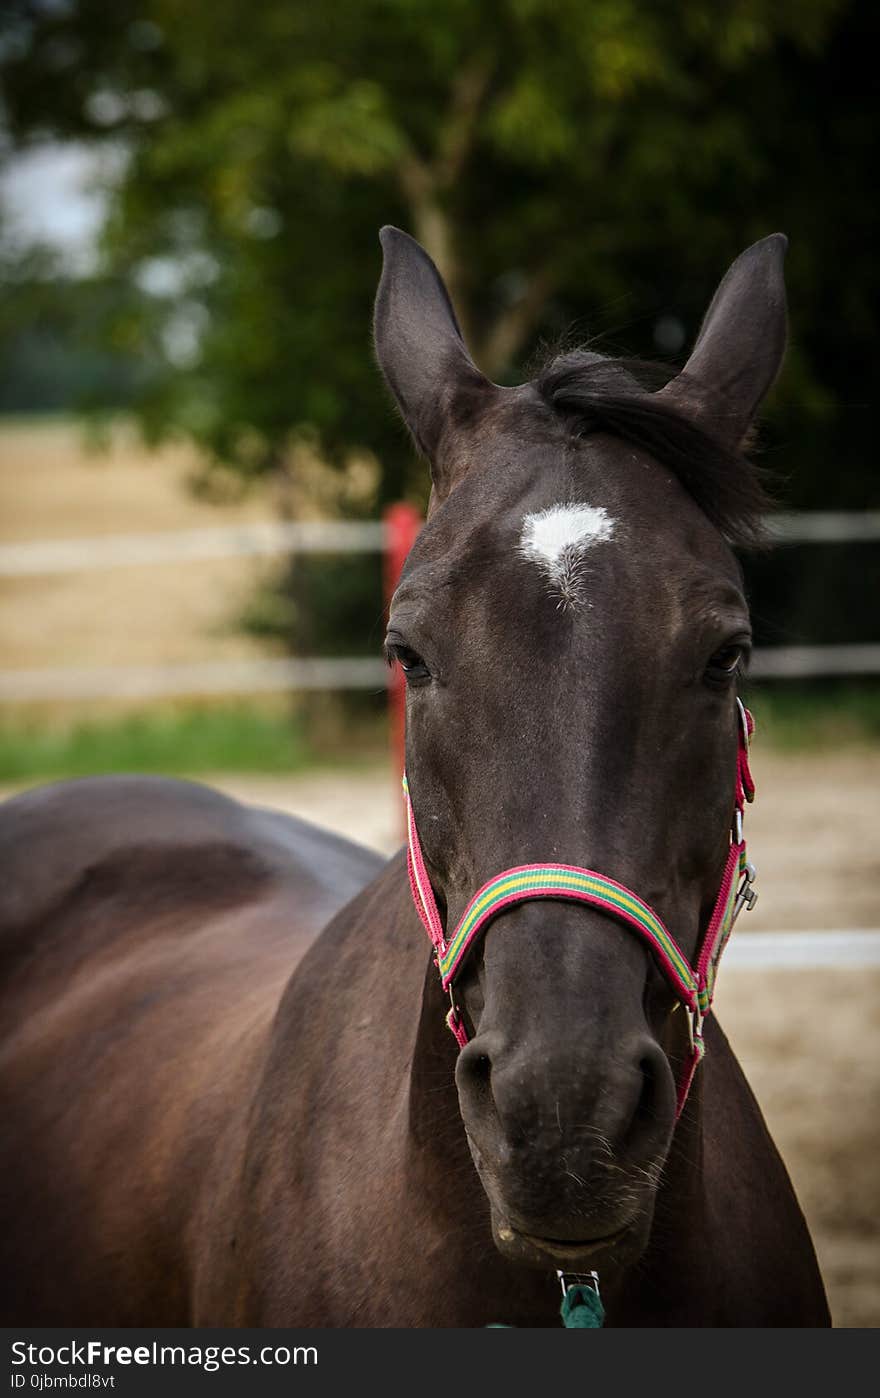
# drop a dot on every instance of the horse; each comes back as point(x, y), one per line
point(230, 1092)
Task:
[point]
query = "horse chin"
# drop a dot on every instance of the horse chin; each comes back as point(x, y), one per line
point(619, 1247)
point(614, 1242)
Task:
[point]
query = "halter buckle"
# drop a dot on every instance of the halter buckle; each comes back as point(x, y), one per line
point(746, 895)
point(695, 1025)
point(570, 1279)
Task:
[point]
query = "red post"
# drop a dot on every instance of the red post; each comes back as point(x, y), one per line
point(402, 524)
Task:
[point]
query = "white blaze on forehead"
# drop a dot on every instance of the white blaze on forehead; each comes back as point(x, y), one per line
point(557, 539)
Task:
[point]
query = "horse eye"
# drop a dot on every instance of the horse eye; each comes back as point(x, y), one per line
point(412, 665)
point(725, 663)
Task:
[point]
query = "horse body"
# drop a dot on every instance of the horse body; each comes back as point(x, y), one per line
point(235, 1099)
point(149, 929)
point(264, 1137)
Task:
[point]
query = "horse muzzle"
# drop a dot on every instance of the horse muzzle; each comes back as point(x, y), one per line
point(568, 1145)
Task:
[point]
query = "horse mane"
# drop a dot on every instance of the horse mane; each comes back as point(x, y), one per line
point(594, 393)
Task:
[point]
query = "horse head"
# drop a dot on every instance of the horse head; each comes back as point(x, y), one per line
point(572, 623)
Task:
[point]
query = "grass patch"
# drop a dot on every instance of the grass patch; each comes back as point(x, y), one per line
point(227, 739)
point(200, 739)
point(824, 713)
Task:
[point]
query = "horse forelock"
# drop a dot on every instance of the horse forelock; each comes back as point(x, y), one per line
point(589, 393)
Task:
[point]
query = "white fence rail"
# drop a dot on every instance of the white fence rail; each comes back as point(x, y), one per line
point(824, 526)
point(808, 662)
point(182, 680)
point(44, 557)
point(277, 676)
point(803, 951)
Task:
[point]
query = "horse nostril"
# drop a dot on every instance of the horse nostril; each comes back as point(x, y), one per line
point(650, 1107)
point(474, 1070)
point(646, 1108)
point(481, 1070)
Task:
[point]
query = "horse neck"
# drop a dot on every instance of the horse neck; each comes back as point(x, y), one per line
point(434, 1118)
point(677, 1263)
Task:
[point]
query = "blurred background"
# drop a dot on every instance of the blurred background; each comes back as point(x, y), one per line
point(197, 454)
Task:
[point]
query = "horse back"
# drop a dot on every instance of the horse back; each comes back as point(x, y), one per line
point(147, 931)
point(145, 850)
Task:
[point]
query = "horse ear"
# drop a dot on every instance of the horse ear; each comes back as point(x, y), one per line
point(420, 347)
point(740, 347)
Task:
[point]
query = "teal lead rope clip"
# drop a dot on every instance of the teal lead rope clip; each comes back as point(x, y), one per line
point(582, 1307)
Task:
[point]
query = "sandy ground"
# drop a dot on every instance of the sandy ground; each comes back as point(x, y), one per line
point(810, 1047)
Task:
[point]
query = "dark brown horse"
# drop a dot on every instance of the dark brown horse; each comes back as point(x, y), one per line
point(229, 1095)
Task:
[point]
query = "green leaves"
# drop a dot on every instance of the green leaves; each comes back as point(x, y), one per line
point(350, 131)
point(567, 164)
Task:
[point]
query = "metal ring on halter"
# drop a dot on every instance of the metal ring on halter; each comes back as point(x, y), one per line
point(694, 1024)
point(746, 896)
point(570, 1279)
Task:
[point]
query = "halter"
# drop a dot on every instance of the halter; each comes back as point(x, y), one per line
point(693, 986)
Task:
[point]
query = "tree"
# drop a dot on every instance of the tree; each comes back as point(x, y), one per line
point(52, 354)
point(571, 167)
point(553, 157)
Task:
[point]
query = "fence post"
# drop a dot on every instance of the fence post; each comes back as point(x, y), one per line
point(402, 524)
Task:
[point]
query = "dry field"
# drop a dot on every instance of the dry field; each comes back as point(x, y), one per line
point(810, 1041)
point(52, 488)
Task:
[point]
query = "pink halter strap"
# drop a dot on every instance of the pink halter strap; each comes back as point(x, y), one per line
point(693, 986)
